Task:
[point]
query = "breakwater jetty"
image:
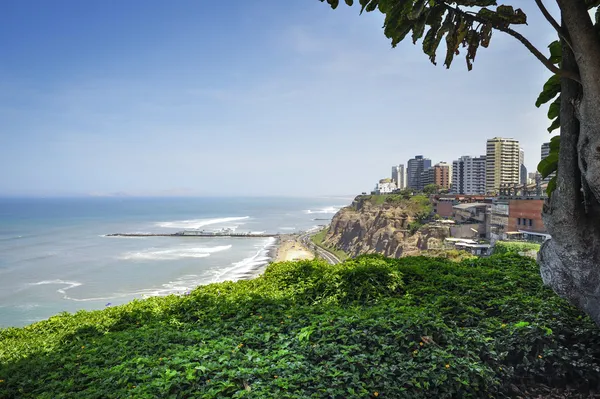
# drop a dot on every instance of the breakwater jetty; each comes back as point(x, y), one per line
point(194, 233)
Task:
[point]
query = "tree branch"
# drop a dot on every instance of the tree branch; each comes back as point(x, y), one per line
point(553, 22)
point(532, 49)
point(586, 47)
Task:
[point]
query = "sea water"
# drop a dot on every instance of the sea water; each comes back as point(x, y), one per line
point(55, 255)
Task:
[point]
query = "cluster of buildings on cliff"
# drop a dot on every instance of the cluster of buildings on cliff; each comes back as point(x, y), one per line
point(502, 164)
point(488, 197)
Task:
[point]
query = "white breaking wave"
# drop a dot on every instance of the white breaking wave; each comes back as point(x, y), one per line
point(187, 283)
point(68, 285)
point(331, 209)
point(175, 253)
point(197, 223)
point(239, 269)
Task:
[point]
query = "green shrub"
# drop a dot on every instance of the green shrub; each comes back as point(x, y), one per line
point(515, 247)
point(411, 328)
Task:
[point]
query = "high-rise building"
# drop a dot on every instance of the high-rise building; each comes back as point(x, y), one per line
point(399, 176)
point(468, 175)
point(545, 153)
point(545, 150)
point(442, 175)
point(522, 168)
point(439, 174)
point(427, 177)
point(502, 163)
point(414, 169)
point(523, 174)
point(532, 177)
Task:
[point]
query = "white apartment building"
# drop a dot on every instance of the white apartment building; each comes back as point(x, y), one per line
point(502, 163)
point(399, 176)
point(385, 187)
point(468, 175)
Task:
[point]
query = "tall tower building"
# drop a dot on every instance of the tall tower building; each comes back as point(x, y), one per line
point(545, 153)
point(522, 168)
point(414, 170)
point(502, 163)
point(468, 175)
point(442, 175)
point(545, 150)
point(399, 176)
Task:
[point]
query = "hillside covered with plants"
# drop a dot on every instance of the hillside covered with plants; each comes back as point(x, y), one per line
point(393, 225)
point(370, 327)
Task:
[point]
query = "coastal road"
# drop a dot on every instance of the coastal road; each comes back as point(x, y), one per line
point(328, 256)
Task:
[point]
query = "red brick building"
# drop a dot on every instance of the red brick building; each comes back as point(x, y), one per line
point(525, 215)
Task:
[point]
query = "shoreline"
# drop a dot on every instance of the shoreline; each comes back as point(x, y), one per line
point(287, 247)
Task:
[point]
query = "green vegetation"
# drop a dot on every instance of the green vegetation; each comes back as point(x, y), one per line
point(570, 259)
point(414, 203)
point(369, 327)
point(515, 247)
point(318, 239)
point(419, 206)
point(431, 189)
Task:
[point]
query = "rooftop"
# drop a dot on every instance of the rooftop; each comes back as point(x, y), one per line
point(471, 205)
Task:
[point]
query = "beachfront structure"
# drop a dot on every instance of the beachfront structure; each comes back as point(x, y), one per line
point(468, 175)
point(399, 176)
point(502, 163)
point(414, 170)
point(385, 186)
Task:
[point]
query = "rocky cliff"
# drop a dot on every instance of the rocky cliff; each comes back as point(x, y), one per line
point(388, 225)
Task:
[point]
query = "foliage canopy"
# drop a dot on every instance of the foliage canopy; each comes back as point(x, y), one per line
point(397, 328)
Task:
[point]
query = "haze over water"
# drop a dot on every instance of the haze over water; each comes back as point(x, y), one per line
point(54, 255)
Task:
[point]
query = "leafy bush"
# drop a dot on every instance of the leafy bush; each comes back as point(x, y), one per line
point(370, 327)
point(515, 247)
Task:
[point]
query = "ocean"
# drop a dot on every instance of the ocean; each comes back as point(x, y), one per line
point(55, 256)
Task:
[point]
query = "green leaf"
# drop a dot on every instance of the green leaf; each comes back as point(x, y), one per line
point(555, 52)
point(555, 144)
point(550, 90)
point(555, 125)
point(551, 186)
point(554, 109)
point(548, 165)
point(419, 28)
point(418, 9)
point(486, 35)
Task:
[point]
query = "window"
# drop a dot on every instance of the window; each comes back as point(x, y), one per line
point(530, 222)
point(519, 221)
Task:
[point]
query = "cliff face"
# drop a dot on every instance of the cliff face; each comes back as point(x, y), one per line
point(383, 225)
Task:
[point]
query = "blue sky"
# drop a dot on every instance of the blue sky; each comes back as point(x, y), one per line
point(270, 97)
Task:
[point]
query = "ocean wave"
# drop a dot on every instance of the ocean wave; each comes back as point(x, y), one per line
point(172, 254)
point(69, 285)
point(330, 209)
point(243, 267)
point(197, 223)
point(178, 286)
point(188, 282)
point(11, 238)
point(287, 228)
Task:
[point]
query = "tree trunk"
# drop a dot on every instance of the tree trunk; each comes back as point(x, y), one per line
point(570, 261)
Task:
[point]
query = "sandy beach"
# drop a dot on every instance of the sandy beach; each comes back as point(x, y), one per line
point(290, 248)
